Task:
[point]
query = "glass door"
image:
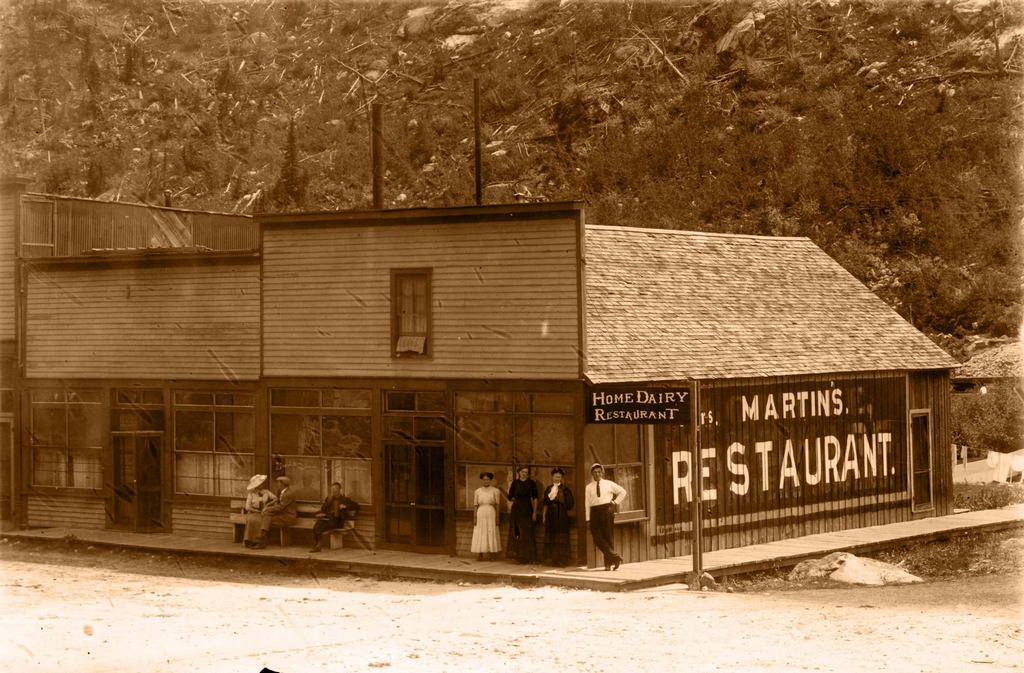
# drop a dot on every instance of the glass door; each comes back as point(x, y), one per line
point(414, 471)
point(921, 459)
point(137, 434)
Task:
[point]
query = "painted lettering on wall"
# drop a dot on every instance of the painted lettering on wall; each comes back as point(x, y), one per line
point(794, 442)
point(636, 404)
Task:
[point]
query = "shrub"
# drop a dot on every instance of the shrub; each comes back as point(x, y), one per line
point(987, 496)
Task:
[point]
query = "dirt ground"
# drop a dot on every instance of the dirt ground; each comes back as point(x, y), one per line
point(83, 610)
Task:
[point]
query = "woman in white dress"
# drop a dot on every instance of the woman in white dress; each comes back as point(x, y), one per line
point(259, 496)
point(486, 538)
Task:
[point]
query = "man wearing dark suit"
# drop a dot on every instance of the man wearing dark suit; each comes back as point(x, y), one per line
point(284, 512)
point(336, 511)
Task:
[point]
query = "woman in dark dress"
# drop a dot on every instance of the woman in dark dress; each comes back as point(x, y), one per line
point(557, 507)
point(523, 495)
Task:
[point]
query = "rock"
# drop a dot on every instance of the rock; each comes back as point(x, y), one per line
point(845, 567)
point(417, 22)
point(740, 35)
point(455, 42)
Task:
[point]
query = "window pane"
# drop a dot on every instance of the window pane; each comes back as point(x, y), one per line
point(47, 395)
point(193, 473)
point(295, 398)
point(401, 401)
point(233, 472)
point(399, 428)
point(49, 425)
point(430, 402)
point(629, 478)
point(347, 399)
point(85, 396)
point(597, 443)
point(193, 430)
point(484, 437)
point(354, 476)
point(193, 398)
point(49, 467)
point(550, 439)
point(306, 477)
point(430, 428)
point(295, 434)
point(236, 432)
point(627, 443)
point(234, 399)
point(152, 397)
point(86, 468)
point(347, 436)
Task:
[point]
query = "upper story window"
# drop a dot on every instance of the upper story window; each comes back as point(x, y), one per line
point(410, 312)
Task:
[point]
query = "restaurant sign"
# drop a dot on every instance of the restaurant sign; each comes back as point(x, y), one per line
point(638, 404)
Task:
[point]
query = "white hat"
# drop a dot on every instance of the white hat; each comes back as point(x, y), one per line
point(255, 482)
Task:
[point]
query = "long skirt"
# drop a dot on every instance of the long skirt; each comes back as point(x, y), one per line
point(486, 538)
point(521, 543)
point(556, 535)
point(253, 520)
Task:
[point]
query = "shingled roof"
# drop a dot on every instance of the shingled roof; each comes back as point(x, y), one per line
point(668, 305)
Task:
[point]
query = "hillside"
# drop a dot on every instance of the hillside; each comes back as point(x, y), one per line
point(889, 133)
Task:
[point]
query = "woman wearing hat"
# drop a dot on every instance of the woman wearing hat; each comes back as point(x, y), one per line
point(259, 496)
point(557, 508)
point(486, 538)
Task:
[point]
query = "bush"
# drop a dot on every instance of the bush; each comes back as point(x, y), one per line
point(987, 496)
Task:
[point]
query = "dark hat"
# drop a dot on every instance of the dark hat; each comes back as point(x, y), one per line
point(558, 470)
point(596, 465)
point(489, 475)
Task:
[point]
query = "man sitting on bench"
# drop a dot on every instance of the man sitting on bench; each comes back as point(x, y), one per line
point(336, 511)
point(281, 514)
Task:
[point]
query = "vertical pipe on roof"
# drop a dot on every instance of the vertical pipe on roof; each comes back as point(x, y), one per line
point(478, 166)
point(377, 155)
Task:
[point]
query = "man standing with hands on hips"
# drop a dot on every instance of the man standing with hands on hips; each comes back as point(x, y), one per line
point(602, 500)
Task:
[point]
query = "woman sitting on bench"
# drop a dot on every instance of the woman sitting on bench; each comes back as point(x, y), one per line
point(258, 498)
point(336, 511)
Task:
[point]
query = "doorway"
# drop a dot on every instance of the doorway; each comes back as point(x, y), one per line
point(921, 459)
point(137, 440)
point(416, 435)
point(138, 498)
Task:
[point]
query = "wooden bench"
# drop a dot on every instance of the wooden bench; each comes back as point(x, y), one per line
point(307, 519)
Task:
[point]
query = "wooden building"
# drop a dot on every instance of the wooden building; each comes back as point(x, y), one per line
point(402, 352)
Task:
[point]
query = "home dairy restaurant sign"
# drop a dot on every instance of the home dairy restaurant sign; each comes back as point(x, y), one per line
point(638, 404)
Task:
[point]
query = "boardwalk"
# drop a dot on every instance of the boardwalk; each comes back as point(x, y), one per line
point(629, 577)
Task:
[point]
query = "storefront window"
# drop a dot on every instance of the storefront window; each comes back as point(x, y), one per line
point(497, 432)
point(66, 434)
point(322, 436)
point(214, 442)
point(619, 449)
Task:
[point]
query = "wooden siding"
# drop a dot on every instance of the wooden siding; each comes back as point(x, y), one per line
point(198, 321)
point(67, 510)
point(504, 301)
point(203, 520)
point(8, 212)
point(931, 390)
point(875, 403)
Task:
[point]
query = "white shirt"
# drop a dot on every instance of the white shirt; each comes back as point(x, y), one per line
point(610, 492)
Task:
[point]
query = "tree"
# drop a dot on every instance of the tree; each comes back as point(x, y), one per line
point(290, 189)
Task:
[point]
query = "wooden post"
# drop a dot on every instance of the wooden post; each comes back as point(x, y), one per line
point(476, 151)
point(377, 155)
point(696, 543)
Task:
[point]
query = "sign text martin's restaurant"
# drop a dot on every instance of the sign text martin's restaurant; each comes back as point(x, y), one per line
point(774, 452)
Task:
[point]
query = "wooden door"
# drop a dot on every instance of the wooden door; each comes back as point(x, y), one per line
point(414, 506)
point(138, 495)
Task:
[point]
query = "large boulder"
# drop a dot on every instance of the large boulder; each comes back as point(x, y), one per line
point(845, 567)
